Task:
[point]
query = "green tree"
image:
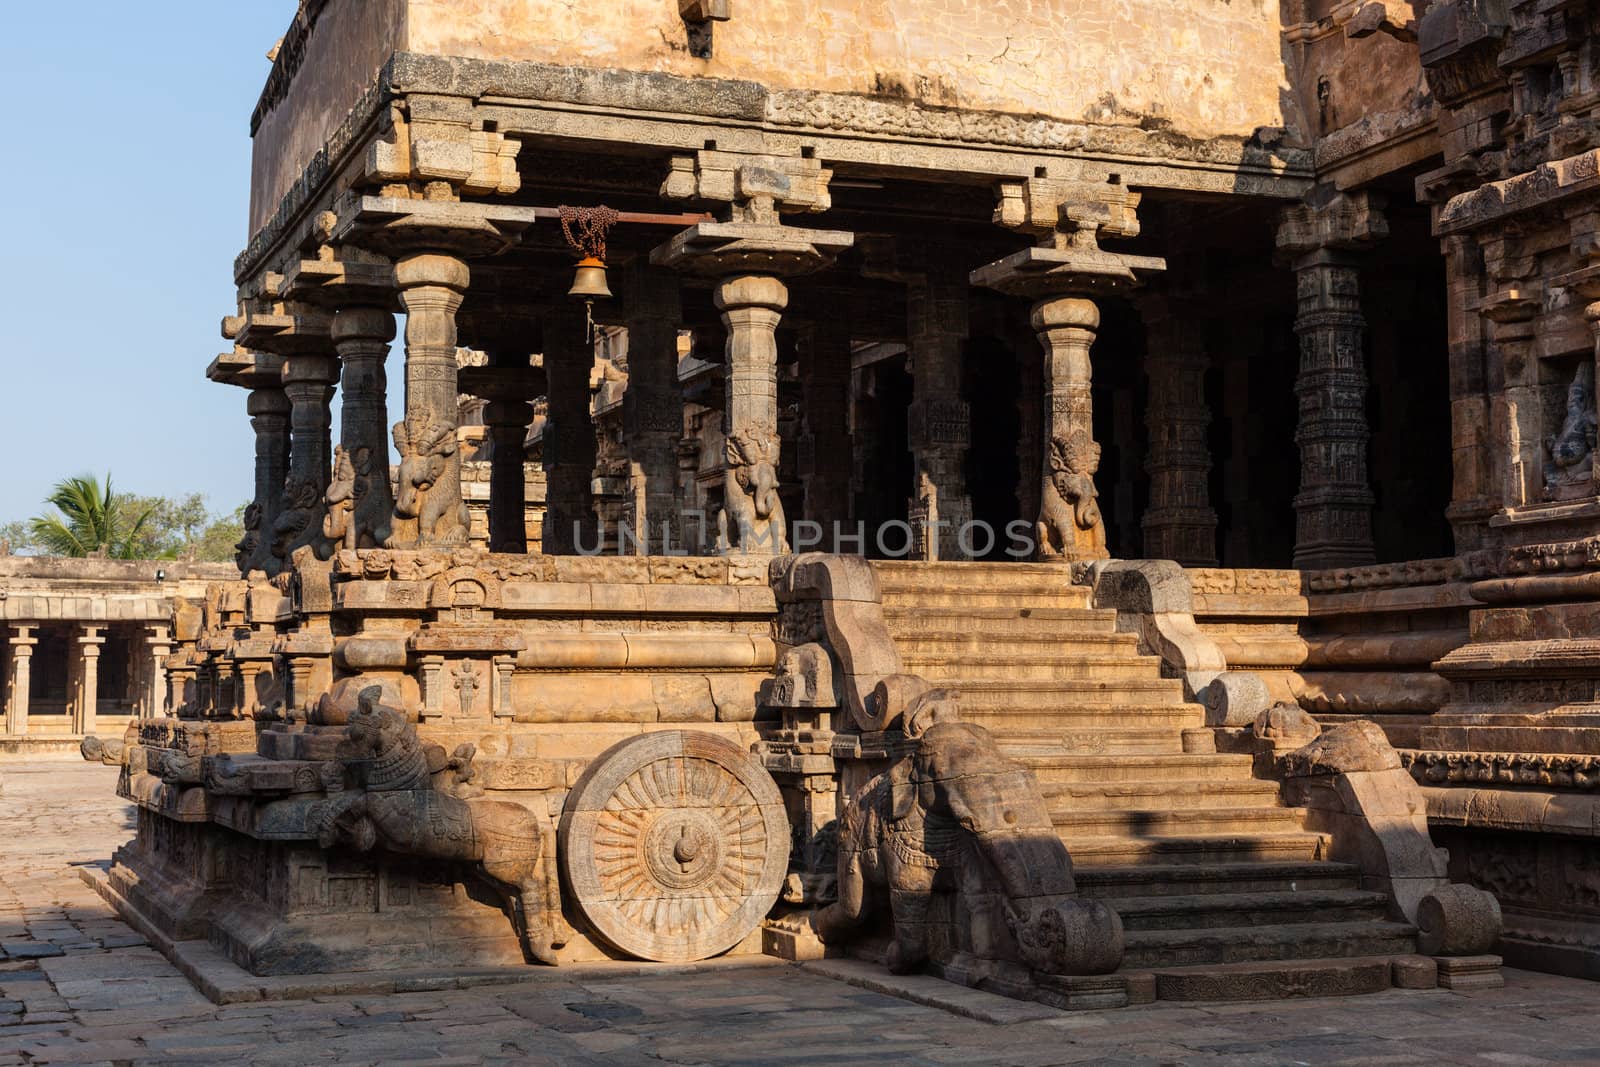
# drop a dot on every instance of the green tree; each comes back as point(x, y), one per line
point(90, 517)
point(15, 539)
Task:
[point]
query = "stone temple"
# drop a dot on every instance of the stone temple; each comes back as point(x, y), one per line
point(1094, 501)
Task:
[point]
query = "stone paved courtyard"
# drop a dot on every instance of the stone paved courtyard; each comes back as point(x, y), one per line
point(78, 986)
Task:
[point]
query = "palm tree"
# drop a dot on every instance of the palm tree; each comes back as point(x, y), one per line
point(91, 519)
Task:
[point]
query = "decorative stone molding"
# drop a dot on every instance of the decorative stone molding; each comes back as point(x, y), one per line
point(1353, 787)
point(437, 147)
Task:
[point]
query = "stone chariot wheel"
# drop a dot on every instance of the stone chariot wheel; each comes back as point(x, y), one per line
point(675, 845)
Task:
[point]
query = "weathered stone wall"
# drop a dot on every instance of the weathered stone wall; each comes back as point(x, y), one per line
point(1199, 69)
point(317, 79)
point(1208, 67)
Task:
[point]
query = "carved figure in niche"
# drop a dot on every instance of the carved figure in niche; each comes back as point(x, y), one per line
point(1569, 455)
point(1069, 502)
point(957, 817)
point(337, 526)
point(298, 522)
point(429, 484)
point(244, 552)
point(750, 492)
point(406, 797)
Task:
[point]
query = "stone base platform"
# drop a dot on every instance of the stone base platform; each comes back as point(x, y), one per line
point(222, 981)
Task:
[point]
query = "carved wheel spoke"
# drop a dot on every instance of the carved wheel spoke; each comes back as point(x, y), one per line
point(675, 845)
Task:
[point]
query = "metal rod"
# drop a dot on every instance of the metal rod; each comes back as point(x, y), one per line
point(643, 218)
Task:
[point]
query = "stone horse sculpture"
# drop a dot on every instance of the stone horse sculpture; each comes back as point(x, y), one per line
point(406, 797)
point(428, 488)
point(1069, 510)
point(750, 491)
point(958, 818)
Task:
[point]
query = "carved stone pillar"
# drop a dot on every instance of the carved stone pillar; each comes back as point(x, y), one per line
point(1070, 523)
point(652, 408)
point(508, 385)
point(1179, 523)
point(1333, 510)
point(569, 444)
point(428, 505)
point(1514, 418)
point(749, 254)
point(158, 646)
point(86, 688)
point(1062, 272)
point(19, 684)
point(751, 307)
point(936, 313)
point(1472, 445)
point(308, 383)
point(825, 445)
point(269, 417)
point(362, 504)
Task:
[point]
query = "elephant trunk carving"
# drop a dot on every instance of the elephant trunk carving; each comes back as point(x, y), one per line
point(959, 818)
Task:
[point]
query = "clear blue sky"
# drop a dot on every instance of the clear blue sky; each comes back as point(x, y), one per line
point(126, 183)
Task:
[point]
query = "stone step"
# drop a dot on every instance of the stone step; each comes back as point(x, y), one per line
point(1171, 766)
point(1150, 949)
point(955, 596)
point(1176, 823)
point(904, 619)
point(1066, 692)
point(1163, 794)
point(1124, 851)
point(1096, 741)
point(1275, 979)
point(1006, 720)
point(1210, 910)
point(966, 641)
point(975, 667)
point(1185, 879)
point(912, 576)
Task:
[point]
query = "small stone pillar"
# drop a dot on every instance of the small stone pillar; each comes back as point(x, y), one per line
point(362, 335)
point(751, 307)
point(1063, 273)
point(158, 646)
point(569, 443)
point(308, 383)
point(432, 286)
point(269, 417)
point(86, 690)
point(1179, 523)
point(1333, 510)
point(825, 445)
point(508, 386)
point(1515, 415)
point(749, 254)
point(19, 684)
point(940, 431)
point(652, 408)
point(1070, 523)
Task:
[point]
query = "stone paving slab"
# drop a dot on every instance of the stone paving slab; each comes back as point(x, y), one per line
point(110, 998)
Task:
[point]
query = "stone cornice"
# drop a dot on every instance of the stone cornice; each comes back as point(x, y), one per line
point(1263, 162)
point(286, 63)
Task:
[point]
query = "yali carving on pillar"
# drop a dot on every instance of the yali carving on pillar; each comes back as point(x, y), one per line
point(357, 517)
point(428, 489)
point(750, 492)
point(1069, 501)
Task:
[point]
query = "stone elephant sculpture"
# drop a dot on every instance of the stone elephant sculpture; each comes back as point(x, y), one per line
point(958, 817)
point(408, 798)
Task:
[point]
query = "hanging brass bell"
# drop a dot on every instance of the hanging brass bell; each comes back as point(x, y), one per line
point(590, 281)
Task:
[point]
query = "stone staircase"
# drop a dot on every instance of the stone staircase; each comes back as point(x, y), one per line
point(1221, 890)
